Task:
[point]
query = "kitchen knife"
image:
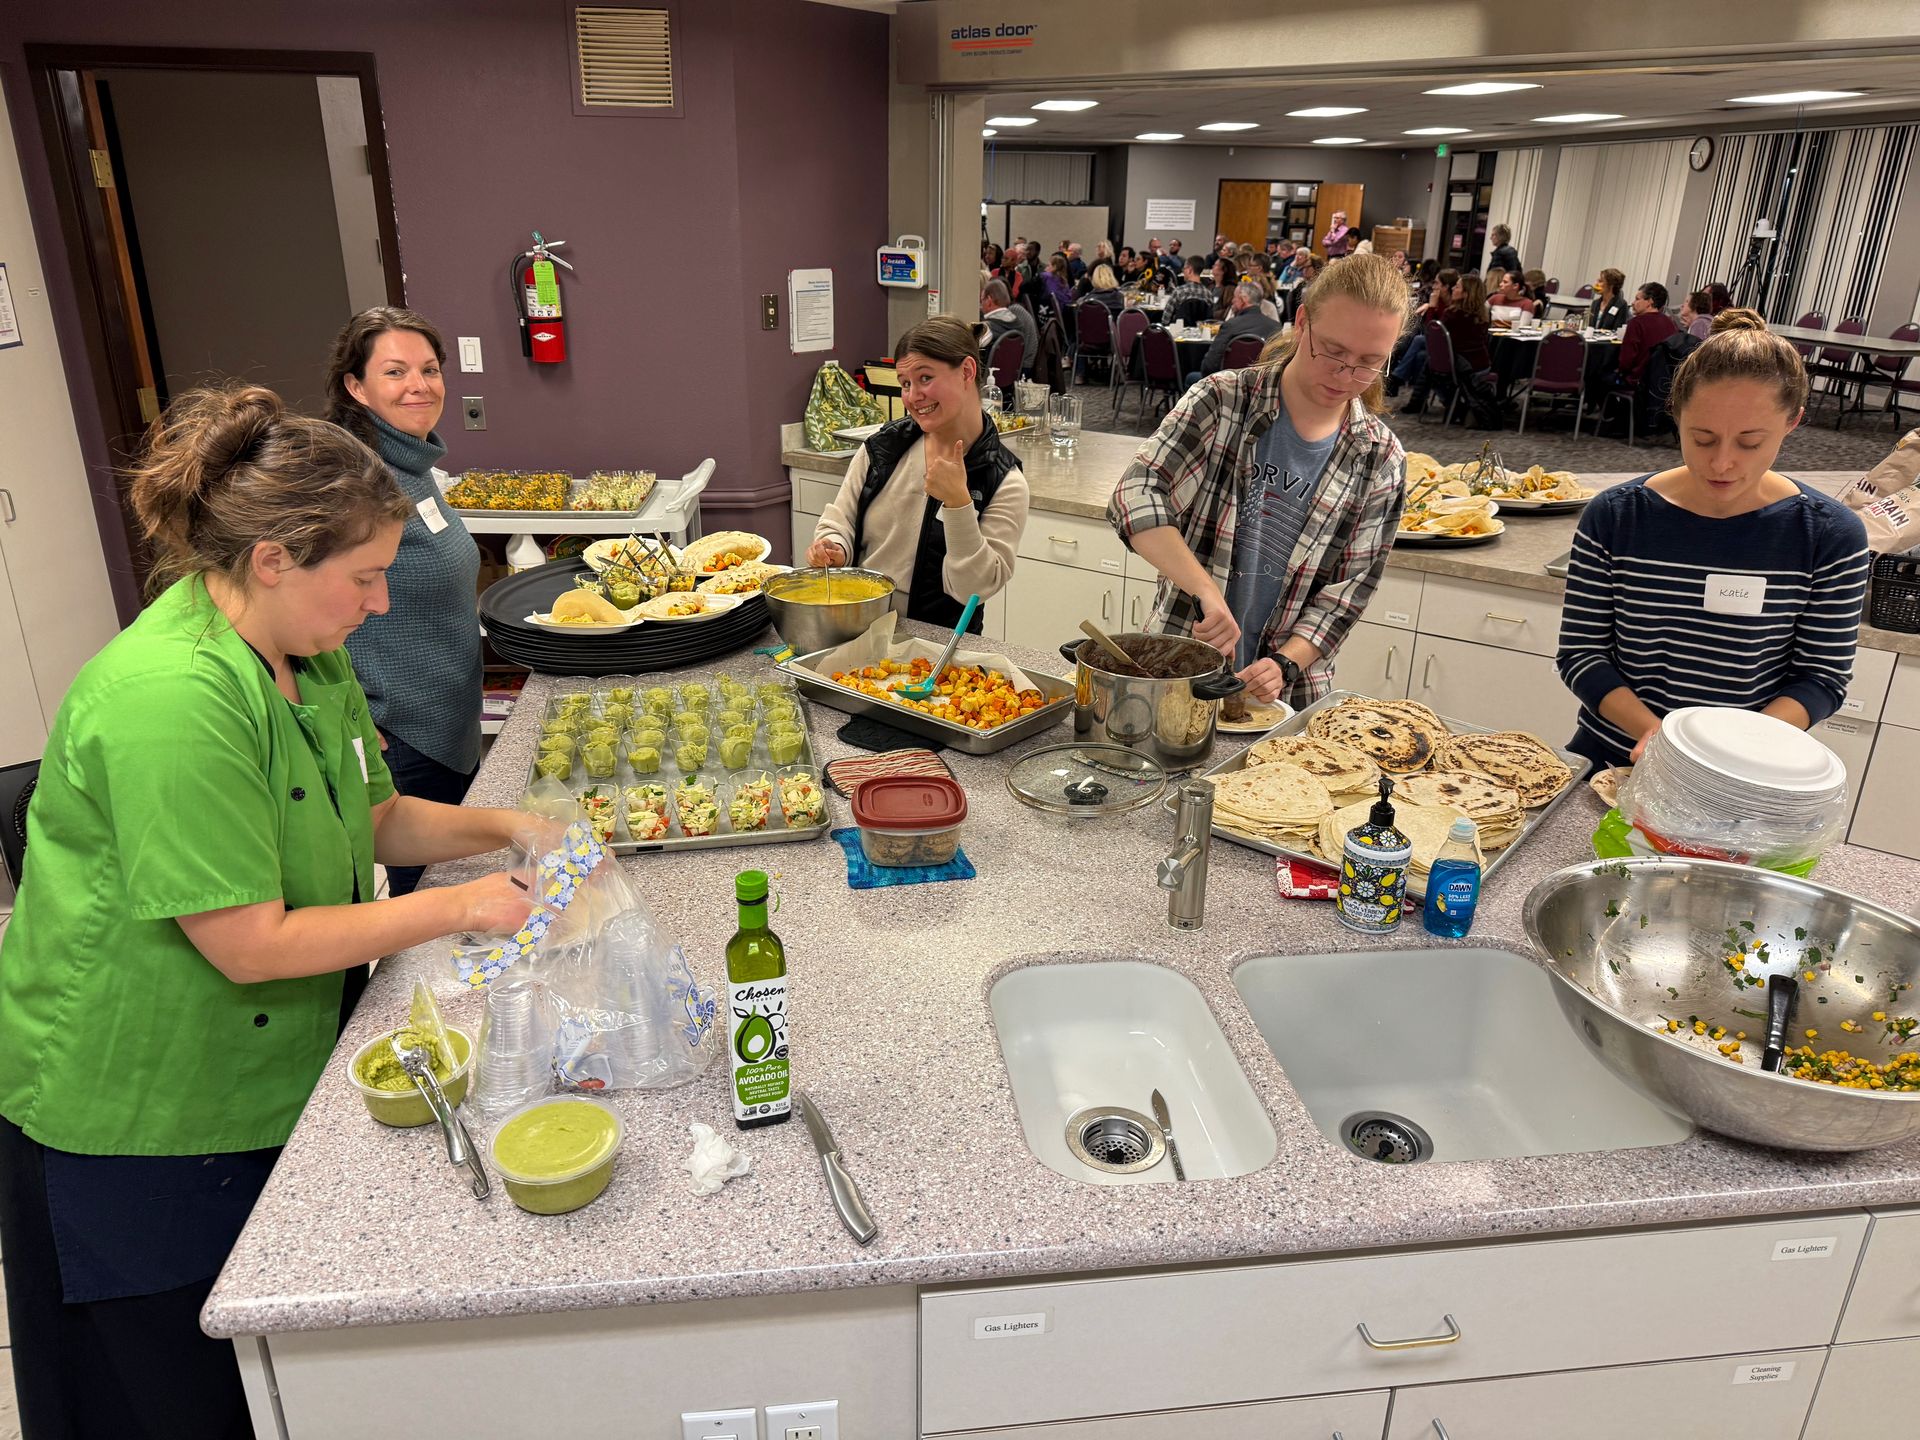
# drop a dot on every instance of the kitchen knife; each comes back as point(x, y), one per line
point(1165, 1122)
point(847, 1200)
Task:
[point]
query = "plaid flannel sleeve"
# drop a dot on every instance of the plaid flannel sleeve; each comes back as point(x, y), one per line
point(1164, 481)
point(1338, 603)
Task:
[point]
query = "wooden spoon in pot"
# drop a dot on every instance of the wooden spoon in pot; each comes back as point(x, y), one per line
point(1112, 647)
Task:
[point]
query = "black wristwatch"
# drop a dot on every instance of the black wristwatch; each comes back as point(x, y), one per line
point(1289, 669)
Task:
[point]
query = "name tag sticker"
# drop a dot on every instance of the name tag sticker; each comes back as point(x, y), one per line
point(429, 509)
point(1819, 1248)
point(1736, 594)
point(1012, 1327)
point(1770, 1373)
point(360, 753)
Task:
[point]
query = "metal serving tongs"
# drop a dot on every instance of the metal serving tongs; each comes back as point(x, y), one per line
point(460, 1149)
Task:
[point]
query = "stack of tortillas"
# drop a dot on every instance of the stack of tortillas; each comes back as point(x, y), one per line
point(1277, 802)
point(1345, 771)
point(1400, 736)
point(1425, 825)
point(1494, 807)
point(1514, 758)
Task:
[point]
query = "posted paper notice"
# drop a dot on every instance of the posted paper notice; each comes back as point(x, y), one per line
point(9, 325)
point(810, 310)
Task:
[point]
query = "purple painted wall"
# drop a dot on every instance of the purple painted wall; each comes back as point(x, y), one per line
point(676, 226)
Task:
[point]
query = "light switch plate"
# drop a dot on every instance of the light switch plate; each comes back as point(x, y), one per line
point(473, 410)
point(470, 353)
point(718, 1425)
point(816, 1420)
point(769, 312)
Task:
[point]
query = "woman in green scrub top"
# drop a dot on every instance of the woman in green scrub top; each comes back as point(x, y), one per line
point(198, 884)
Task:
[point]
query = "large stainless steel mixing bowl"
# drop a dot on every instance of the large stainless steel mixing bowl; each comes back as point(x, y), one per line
point(1635, 943)
point(807, 626)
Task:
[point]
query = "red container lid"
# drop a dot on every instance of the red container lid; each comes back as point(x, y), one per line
point(909, 802)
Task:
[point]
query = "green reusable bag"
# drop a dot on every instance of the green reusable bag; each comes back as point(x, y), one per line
point(837, 403)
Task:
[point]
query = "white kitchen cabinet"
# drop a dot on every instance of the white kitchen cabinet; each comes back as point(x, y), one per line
point(1073, 540)
point(1485, 685)
point(1269, 1331)
point(1396, 599)
point(1890, 797)
point(1045, 604)
point(1136, 603)
point(1351, 1417)
point(1500, 615)
point(1735, 1397)
point(1865, 1390)
point(1866, 697)
point(1903, 694)
point(1374, 660)
point(1885, 1300)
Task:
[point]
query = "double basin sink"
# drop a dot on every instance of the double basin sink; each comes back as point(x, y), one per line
point(1398, 1055)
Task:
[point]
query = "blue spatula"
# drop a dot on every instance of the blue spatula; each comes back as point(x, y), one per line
point(920, 690)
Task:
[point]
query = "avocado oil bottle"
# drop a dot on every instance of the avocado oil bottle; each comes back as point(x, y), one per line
point(757, 1002)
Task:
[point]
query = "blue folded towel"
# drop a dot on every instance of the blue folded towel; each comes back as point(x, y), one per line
point(863, 874)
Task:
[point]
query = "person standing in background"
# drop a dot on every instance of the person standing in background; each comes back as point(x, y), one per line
point(1504, 256)
point(1076, 267)
point(1339, 237)
point(419, 662)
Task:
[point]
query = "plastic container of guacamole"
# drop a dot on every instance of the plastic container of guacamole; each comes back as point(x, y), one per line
point(557, 1153)
point(389, 1092)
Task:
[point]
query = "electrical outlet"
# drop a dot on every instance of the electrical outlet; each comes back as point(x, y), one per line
point(718, 1425)
point(816, 1420)
point(769, 312)
point(474, 411)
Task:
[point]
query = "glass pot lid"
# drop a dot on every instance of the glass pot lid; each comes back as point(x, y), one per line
point(1087, 780)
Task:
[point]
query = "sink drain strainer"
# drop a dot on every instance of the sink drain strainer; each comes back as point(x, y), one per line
point(1116, 1140)
point(1390, 1139)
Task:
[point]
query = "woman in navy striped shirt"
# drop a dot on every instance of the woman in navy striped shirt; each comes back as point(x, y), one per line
point(1720, 582)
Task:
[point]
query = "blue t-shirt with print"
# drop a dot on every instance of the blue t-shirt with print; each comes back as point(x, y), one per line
point(1269, 517)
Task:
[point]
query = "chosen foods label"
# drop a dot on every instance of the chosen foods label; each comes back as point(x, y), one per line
point(758, 1049)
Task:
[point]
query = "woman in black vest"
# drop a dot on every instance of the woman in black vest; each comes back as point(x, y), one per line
point(933, 499)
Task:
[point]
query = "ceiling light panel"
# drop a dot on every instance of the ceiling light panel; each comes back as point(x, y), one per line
point(1013, 120)
point(1328, 112)
point(1341, 140)
point(1065, 104)
point(1438, 130)
point(1484, 87)
point(1797, 97)
point(1232, 125)
point(1161, 135)
point(1577, 117)
point(988, 133)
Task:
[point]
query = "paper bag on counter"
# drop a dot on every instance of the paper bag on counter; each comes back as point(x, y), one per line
point(1887, 499)
point(878, 643)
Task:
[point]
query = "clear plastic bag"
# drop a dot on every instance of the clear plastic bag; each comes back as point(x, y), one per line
point(628, 1012)
point(1674, 808)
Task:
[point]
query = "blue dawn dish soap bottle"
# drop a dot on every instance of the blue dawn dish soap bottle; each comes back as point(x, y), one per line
point(1453, 884)
point(1373, 870)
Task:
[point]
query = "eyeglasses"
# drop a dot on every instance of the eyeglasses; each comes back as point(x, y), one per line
point(1345, 369)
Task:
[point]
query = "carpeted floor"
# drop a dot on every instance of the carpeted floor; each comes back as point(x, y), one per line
point(1549, 440)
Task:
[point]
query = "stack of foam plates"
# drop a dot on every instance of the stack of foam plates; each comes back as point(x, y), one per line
point(637, 650)
point(1737, 784)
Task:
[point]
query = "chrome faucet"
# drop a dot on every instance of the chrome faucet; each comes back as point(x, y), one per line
point(1183, 872)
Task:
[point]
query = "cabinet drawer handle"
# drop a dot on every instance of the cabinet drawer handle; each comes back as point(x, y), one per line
point(1392, 650)
point(1063, 540)
point(1106, 603)
point(1507, 619)
point(1134, 613)
point(1440, 1430)
point(1424, 1341)
point(1426, 674)
point(7, 496)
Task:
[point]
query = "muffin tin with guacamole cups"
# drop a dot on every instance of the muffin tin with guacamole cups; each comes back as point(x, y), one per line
point(663, 766)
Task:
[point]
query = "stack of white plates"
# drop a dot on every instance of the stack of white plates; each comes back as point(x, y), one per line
point(1737, 784)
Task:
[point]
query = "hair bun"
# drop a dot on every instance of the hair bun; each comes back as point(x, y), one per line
point(1739, 318)
point(233, 423)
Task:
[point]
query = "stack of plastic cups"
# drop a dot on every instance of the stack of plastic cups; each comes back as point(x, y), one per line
point(515, 1063)
point(633, 1000)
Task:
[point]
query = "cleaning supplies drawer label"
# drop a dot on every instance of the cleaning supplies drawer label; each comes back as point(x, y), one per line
point(1819, 1247)
point(1012, 1327)
point(1770, 1372)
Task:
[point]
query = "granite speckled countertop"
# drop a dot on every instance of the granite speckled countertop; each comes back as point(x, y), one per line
point(1080, 485)
point(362, 1225)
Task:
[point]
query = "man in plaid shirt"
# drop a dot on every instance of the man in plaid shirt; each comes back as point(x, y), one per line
point(1269, 497)
point(1192, 286)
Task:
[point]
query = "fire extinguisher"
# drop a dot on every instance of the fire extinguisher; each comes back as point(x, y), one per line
point(536, 299)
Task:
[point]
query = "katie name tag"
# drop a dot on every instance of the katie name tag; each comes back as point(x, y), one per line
point(430, 513)
point(1736, 594)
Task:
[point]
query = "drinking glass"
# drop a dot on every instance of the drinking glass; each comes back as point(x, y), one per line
point(1063, 421)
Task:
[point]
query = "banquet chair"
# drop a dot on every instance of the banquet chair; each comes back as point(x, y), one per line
point(1127, 330)
point(1243, 352)
point(1005, 359)
point(1559, 368)
point(1891, 371)
point(1812, 320)
point(1093, 335)
point(1553, 284)
point(1191, 311)
point(1159, 368)
point(1839, 366)
point(1585, 292)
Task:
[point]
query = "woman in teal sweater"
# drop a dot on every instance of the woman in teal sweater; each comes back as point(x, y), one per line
point(420, 662)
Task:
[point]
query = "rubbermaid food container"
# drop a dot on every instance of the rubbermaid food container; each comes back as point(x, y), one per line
point(909, 819)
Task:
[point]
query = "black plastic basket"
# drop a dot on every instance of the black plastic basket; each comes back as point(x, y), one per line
point(1896, 593)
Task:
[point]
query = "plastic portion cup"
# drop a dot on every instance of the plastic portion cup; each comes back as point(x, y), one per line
point(557, 1154)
